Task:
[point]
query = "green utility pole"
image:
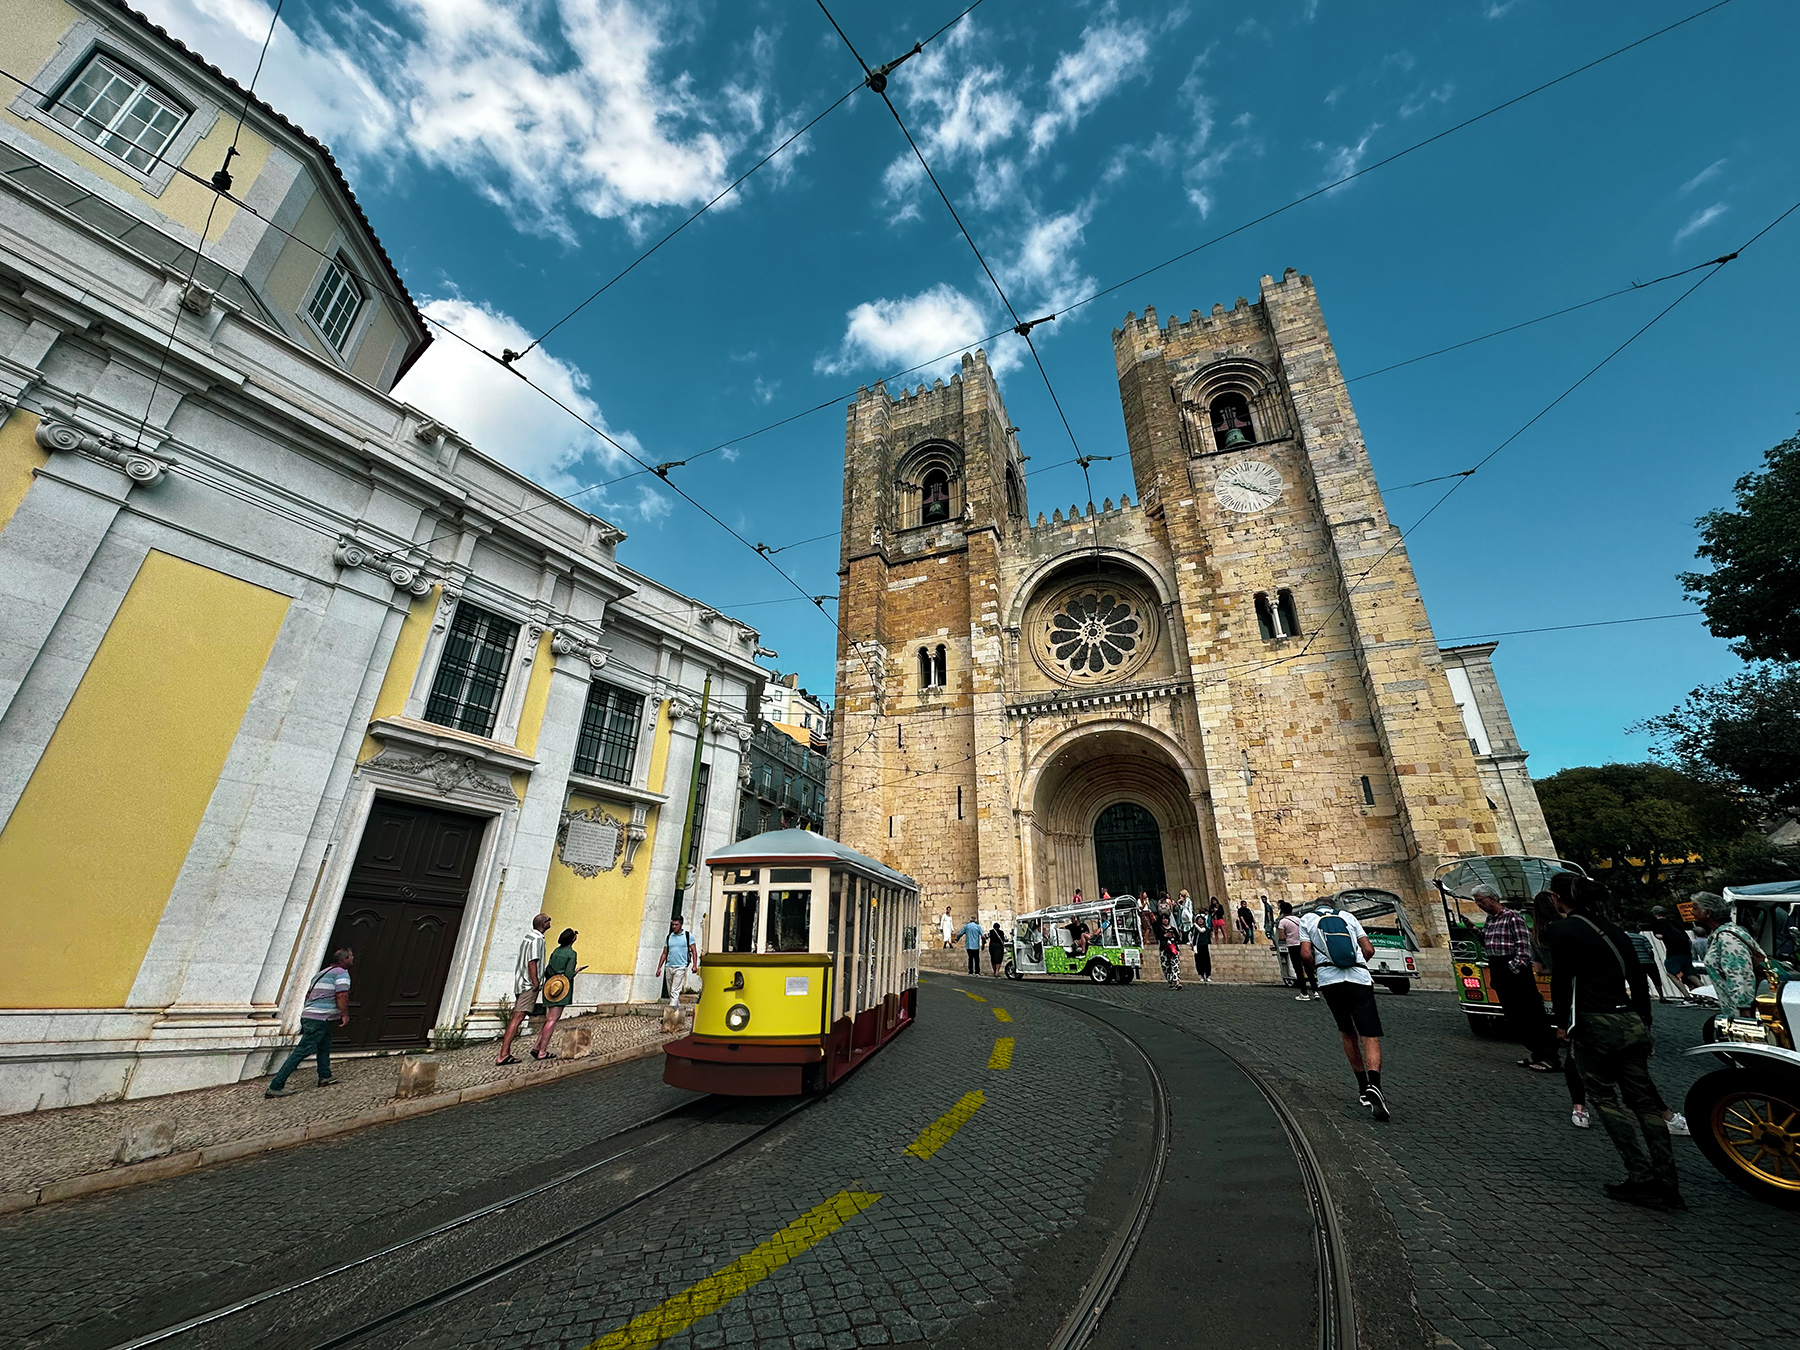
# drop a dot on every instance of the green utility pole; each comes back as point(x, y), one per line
point(687, 830)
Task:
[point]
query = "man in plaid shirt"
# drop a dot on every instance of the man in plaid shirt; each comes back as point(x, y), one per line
point(1508, 944)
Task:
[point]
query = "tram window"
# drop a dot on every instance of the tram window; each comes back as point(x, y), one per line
point(801, 874)
point(742, 877)
point(833, 911)
point(790, 921)
point(740, 922)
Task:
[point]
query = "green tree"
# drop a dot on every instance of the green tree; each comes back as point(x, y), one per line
point(1744, 733)
point(1644, 829)
point(1752, 593)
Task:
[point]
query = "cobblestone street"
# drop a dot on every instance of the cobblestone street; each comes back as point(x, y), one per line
point(955, 1192)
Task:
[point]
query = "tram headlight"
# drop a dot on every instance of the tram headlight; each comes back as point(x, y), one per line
point(737, 1017)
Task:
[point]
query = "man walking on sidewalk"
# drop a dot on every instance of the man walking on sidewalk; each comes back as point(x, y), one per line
point(676, 960)
point(528, 979)
point(972, 939)
point(327, 1006)
point(1334, 944)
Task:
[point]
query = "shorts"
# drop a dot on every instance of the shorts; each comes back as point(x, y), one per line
point(1353, 1006)
point(1679, 965)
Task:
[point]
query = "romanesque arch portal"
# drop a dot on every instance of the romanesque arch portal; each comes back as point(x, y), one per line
point(1112, 808)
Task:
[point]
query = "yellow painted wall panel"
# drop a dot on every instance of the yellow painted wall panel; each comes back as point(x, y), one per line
point(92, 850)
point(608, 910)
point(30, 34)
point(537, 695)
point(403, 665)
point(20, 458)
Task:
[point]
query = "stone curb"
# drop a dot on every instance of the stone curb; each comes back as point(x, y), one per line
point(175, 1164)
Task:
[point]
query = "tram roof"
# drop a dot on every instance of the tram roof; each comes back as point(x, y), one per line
point(795, 846)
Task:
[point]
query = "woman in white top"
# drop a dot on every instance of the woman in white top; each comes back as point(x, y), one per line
point(946, 926)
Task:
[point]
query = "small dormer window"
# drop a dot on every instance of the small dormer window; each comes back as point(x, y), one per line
point(336, 302)
point(121, 112)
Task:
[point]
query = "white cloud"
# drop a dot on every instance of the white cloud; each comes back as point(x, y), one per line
point(1111, 52)
point(1205, 162)
point(502, 416)
point(1706, 175)
point(897, 334)
point(730, 454)
point(765, 389)
point(1500, 7)
point(1343, 160)
point(1044, 275)
point(1423, 98)
point(1700, 220)
point(549, 107)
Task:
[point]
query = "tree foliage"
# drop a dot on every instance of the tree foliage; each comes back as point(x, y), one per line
point(1644, 828)
point(1744, 733)
point(1752, 593)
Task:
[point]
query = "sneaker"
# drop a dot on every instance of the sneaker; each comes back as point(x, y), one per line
point(1302, 998)
point(278, 1092)
point(328, 1082)
point(1362, 1098)
point(1376, 1102)
point(1579, 1118)
point(1678, 1125)
point(1317, 996)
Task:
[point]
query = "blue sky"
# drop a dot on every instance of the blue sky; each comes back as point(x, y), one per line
point(514, 156)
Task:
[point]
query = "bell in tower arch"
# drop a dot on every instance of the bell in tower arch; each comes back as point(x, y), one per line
point(1231, 421)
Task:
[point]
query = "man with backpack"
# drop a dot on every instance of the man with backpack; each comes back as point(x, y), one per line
point(1333, 942)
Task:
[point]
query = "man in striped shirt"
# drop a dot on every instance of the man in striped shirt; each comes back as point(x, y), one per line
point(1508, 945)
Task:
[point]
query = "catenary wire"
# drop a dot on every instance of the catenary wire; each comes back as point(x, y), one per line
point(220, 183)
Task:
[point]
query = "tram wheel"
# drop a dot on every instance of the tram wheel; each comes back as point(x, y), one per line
point(1747, 1123)
point(1100, 971)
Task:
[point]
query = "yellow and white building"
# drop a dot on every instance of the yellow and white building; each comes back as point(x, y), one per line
point(284, 664)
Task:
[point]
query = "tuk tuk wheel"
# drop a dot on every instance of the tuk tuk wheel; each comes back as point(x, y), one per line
point(1485, 1027)
point(1398, 986)
point(1100, 971)
point(1011, 973)
point(1126, 974)
point(1747, 1123)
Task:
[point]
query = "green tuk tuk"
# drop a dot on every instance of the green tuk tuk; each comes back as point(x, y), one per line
point(1099, 939)
point(1518, 880)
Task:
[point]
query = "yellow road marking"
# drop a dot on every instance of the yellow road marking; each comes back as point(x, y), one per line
point(977, 997)
point(715, 1291)
point(1002, 1056)
point(935, 1135)
point(1002, 1014)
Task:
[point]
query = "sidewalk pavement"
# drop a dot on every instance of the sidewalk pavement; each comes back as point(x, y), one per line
point(49, 1155)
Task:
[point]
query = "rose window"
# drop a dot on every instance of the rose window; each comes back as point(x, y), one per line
point(1093, 631)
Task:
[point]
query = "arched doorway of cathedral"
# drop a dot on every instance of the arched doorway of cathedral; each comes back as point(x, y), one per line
point(1128, 856)
point(1112, 806)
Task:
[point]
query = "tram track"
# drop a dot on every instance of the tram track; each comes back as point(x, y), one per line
point(221, 1318)
point(1336, 1297)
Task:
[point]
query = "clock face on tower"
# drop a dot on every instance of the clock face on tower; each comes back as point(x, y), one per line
point(1248, 486)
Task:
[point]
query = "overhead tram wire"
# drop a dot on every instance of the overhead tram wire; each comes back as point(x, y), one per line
point(385, 289)
point(220, 184)
point(511, 356)
point(877, 81)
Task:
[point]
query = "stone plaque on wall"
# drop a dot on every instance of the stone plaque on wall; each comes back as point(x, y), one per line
point(591, 842)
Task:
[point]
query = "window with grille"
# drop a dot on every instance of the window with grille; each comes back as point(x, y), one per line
point(336, 302)
point(609, 733)
point(472, 672)
point(121, 112)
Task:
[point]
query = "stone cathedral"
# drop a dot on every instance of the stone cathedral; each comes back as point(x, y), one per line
point(1229, 684)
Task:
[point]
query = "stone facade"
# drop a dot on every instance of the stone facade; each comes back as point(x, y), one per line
point(1236, 672)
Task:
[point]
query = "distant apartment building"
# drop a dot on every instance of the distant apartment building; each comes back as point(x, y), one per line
point(285, 664)
point(785, 703)
point(784, 787)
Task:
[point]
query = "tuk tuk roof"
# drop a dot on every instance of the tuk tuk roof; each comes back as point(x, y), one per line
point(1085, 907)
point(803, 846)
point(1515, 877)
point(1767, 890)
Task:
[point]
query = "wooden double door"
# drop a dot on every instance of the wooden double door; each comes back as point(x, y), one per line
point(401, 913)
point(1128, 856)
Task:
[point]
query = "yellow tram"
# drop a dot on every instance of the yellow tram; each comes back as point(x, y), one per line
point(810, 964)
